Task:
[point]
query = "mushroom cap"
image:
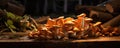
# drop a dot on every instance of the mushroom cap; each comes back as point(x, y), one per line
point(98, 23)
point(69, 23)
point(82, 15)
point(88, 19)
point(61, 17)
point(44, 28)
point(76, 29)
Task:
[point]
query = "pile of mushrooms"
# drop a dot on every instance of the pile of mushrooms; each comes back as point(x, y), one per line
point(70, 28)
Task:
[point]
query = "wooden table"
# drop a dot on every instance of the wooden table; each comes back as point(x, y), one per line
point(102, 42)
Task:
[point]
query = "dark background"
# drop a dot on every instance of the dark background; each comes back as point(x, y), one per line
point(36, 7)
